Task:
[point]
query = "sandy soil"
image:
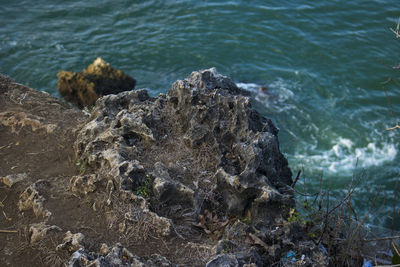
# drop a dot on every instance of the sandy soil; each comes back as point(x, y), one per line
point(36, 137)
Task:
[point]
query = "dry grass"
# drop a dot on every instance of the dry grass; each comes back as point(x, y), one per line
point(138, 227)
point(345, 236)
point(50, 256)
point(130, 221)
point(45, 250)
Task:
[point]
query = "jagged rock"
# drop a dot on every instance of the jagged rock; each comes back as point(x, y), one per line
point(169, 192)
point(138, 201)
point(237, 231)
point(84, 88)
point(237, 246)
point(223, 260)
point(38, 231)
point(202, 145)
point(249, 257)
point(12, 179)
point(120, 255)
point(148, 220)
point(117, 256)
point(277, 242)
point(209, 80)
point(104, 249)
point(72, 242)
point(32, 199)
point(197, 164)
point(157, 260)
point(81, 185)
point(236, 256)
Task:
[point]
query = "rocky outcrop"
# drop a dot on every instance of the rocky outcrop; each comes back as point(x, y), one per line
point(84, 88)
point(199, 147)
point(199, 156)
point(191, 177)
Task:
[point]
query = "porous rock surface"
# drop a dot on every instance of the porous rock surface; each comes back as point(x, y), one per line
point(199, 147)
point(190, 178)
point(199, 156)
point(84, 88)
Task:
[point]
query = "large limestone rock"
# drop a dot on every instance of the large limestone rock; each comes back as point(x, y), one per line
point(200, 147)
point(99, 79)
point(191, 178)
point(200, 159)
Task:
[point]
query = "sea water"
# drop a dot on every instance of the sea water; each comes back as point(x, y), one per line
point(325, 65)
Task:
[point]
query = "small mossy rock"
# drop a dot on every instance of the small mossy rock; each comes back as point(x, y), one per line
point(99, 79)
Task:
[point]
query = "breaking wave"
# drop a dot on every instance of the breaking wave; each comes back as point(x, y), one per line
point(343, 157)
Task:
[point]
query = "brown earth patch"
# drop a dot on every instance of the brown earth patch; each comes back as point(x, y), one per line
point(37, 133)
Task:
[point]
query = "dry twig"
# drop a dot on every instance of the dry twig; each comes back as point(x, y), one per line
point(382, 238)
point(396, 32)
point(297, 178)
point(395, 203)
point(5, 215)
point(397, 126)
point(8, 231)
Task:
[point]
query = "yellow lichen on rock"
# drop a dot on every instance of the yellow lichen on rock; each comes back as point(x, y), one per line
point(84, 88)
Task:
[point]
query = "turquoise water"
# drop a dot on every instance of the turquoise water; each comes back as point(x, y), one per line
point(323, 62)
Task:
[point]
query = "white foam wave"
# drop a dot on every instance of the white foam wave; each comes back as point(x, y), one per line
point(275, 96)
point(252, 87)
point(278, 90)
point(344, 157)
